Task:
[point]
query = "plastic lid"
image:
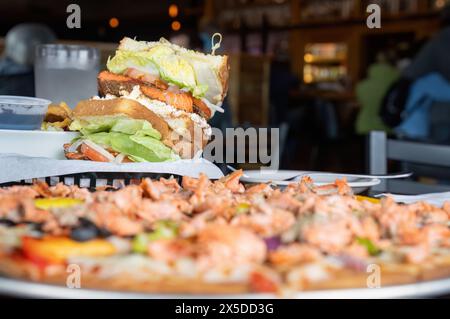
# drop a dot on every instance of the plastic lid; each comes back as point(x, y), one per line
point(23, 100)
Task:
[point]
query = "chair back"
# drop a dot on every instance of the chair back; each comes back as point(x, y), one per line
point(382, 149)
point(440, 123)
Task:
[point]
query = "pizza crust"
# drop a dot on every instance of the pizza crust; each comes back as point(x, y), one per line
point(20, 268)
point(391, 274)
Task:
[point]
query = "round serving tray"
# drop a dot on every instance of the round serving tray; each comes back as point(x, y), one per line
point(19, 288)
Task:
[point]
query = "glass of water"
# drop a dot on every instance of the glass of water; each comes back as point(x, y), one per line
point(66, 72)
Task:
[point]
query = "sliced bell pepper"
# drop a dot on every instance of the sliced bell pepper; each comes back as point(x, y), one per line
point(56, 202)
point(165, 229)
point(242, 208)
point(372, 249)
point(369, 199)
point(56, 250)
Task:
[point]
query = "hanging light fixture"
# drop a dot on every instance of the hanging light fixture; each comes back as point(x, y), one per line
point(176, 25)
point(173, 11)
point(113, 22)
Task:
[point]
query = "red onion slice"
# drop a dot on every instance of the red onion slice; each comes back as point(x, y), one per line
point(119, 158)
point(272, 243)
point(353, 262)
point(213, 107)
point(74, 147)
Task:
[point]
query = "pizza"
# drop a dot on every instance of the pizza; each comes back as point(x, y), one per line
point(198, 236)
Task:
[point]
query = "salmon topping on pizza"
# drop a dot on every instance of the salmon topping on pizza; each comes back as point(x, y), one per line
point(197, 235)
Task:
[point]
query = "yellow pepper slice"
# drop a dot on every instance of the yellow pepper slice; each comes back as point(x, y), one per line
point(56, 202)
point(369, 199)
point(242, 208)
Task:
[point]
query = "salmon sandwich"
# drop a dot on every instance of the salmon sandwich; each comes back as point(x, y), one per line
point(155, 102)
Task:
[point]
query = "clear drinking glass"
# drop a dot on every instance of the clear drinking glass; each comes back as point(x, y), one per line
point(66, 72)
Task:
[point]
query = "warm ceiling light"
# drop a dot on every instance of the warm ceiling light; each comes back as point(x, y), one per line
point(176, 26)
point(440, 4)
point(173, 11)
point(309, 58)
point(113, 22)
point(308, 78)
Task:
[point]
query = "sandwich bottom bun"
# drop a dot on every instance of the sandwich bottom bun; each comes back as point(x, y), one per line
point(179, 132)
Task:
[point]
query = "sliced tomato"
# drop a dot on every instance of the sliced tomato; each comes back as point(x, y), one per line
point(56, 250)
point(92, 154)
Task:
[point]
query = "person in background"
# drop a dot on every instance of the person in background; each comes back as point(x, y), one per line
point(16, 64)
point(370, 93)
point(425, 109)
point(433, 57)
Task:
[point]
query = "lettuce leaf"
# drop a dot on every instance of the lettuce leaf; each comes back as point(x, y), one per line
point(135, 138)
point(120, 124)
point(103, 139)
point(162, 61)
point(142, 153)
point(129, 59)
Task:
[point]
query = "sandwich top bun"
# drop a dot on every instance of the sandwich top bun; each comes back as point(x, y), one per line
point(204, 75)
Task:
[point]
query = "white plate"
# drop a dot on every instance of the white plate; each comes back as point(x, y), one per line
point(19, 288)
point(35, 143)
point(279, 177)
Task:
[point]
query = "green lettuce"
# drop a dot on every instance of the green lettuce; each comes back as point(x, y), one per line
point(135, 138)
point(129, 59)
point(160, 60)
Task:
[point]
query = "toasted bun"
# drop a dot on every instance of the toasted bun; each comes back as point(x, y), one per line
point(224, 74)
point(182, 145)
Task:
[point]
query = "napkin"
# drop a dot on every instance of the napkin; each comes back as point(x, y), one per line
point(437, 199)
point(15, 168)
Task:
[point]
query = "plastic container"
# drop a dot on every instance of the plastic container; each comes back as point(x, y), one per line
point(21, 112)
point(35, 143)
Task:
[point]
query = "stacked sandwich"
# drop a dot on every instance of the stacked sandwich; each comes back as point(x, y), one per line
point(154, 104)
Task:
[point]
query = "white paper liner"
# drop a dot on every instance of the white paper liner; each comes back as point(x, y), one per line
point(14, 168)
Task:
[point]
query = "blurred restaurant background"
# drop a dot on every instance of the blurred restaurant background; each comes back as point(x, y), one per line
point(313, 68)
